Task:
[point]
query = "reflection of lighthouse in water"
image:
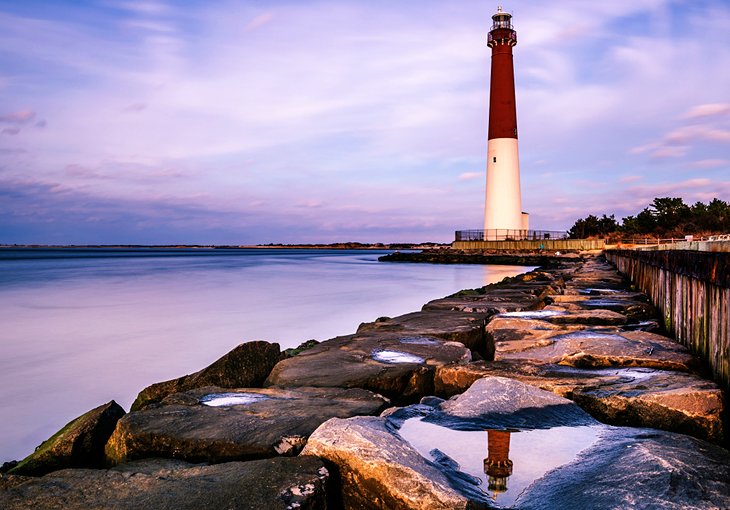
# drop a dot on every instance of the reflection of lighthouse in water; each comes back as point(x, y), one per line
point(497, 465)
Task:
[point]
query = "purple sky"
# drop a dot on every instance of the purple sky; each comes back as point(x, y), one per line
point(287, 121)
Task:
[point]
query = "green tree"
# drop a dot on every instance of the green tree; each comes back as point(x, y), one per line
point(593, 226)
point(670, 214)
point(663, 217)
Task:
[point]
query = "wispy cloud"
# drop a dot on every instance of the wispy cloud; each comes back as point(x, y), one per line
point(258, 22)
point(470, 176)
point(708, 110)
point(710, 163)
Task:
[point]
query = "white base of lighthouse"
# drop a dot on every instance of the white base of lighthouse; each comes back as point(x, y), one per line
point(503, 210)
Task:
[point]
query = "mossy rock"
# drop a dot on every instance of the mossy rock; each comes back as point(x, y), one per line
point(304, 346)
point(80, 444)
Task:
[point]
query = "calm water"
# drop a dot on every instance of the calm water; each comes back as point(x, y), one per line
point(82, 327)
point(532, 452)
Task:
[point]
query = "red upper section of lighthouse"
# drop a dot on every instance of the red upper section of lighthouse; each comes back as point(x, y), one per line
point(502, 110)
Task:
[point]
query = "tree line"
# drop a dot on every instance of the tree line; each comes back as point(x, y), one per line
point(664, 217)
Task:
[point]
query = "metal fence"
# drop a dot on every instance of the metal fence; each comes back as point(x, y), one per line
point(670, 240)
point(509, 235)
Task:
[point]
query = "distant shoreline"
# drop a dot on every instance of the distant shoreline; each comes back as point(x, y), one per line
point(333, 246)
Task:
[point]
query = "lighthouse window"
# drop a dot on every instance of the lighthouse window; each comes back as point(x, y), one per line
point(494, 159)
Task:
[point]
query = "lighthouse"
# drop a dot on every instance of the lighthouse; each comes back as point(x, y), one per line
point(498, 466)
point(503, 216)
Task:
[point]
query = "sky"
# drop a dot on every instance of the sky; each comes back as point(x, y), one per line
point(258, 121)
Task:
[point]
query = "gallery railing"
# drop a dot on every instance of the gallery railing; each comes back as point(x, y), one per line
point(509, 235)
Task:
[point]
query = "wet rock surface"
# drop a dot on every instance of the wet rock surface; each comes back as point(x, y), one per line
point(246, 366)
point(352, 362)
point(78, 444)
point(215, 425)
point(595, 348)
point(281, 483)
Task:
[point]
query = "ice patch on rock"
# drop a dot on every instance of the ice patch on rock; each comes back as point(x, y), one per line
point(586, 334)
point(418, 340)
point(231, 399)
point(594, 291)
point(390, 356)
point(533, 314)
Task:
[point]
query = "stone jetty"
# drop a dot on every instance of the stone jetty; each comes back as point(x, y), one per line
point(553, 389)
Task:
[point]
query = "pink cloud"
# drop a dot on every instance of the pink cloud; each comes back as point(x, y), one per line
point(708, 110)
point(630, 178)
point(669, 151)
point(311, 204)
point(677, 142)
point(18, 117)
point(470, 176)
point(710, 163)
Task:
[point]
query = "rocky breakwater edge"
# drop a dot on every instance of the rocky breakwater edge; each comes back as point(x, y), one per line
point(552, 389)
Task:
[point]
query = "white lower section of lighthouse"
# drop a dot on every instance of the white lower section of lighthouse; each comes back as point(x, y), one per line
point(503, 210)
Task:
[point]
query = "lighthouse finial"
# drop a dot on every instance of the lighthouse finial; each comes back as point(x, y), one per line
point(499, 8)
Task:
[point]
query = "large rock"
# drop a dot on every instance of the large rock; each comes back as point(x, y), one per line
point(281, 483)
point(79, 444)
point(246, 366)
point(452, 326)
point(243, 424)
point(593, 349)
point(673, 401)
point(399, 367)
point(637, 397)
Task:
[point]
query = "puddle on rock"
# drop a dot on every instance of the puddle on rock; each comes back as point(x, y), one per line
point(605, 302)
point(232, 399)
point(505, 462)
point(594, 291)
point(534, 314)
point(594, 335)
point(418, 340)
point(389, 356)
